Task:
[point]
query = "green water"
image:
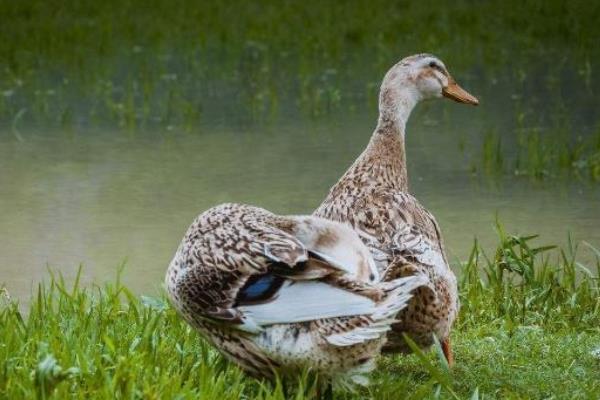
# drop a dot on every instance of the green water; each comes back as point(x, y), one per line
point(102, 198)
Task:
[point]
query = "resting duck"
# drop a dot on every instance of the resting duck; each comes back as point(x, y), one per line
point(373, 197)
point(284, 293)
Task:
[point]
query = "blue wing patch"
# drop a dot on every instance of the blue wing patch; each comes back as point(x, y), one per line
point(259, 289)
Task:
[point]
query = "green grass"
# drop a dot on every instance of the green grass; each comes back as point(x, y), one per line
point(529, 327)
point(136, 66)
point(541, 154)
point(139, 65)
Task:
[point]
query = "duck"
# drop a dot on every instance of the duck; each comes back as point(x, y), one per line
point(278, 295)
point(374, 198)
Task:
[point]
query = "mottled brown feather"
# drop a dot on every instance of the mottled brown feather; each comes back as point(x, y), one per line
point(402, 235)
point(231, 245)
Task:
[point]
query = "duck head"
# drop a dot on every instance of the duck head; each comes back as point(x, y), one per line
point(416, 78)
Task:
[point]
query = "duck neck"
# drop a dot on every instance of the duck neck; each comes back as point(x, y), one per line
point(387, 143)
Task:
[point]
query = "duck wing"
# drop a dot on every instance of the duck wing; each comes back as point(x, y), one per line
point(238, 269)
point(392, 224)
point(298, 285)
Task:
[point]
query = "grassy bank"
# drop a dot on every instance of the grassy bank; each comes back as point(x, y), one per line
point(144, 66)
point(528, 328)
point(154, 64)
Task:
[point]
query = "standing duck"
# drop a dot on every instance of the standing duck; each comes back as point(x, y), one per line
point(373, 197)
point(284, 293)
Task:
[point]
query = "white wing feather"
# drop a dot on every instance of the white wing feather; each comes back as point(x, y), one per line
point(384, 315)
point(307, 301)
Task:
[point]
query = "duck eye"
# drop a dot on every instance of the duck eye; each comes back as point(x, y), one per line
point(433, 64)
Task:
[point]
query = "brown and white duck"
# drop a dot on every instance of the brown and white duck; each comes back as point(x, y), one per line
point(285, 293)
point(373, 196)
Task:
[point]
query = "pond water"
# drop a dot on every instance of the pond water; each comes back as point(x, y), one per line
point(101, 199)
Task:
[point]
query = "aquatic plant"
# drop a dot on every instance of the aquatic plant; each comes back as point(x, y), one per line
point(139, 65)
point(541, 153)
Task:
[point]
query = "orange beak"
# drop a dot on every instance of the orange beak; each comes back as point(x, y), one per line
point(456, 93)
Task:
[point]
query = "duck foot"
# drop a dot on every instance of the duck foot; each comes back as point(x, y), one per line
point(447, 349)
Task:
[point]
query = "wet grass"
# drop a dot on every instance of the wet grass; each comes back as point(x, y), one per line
point(540, 154)
point(141, 66)
point(138, 64)
point(528, 328)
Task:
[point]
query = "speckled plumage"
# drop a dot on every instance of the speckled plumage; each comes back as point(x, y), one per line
point(318, 300)
point(373, 197)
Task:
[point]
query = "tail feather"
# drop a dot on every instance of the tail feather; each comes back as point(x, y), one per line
point(399, 294)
